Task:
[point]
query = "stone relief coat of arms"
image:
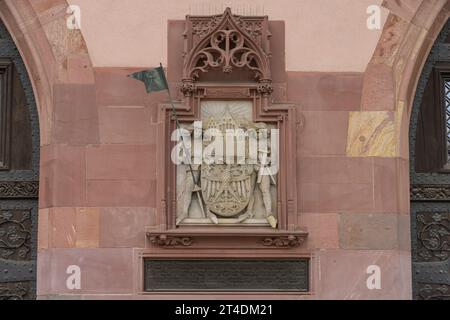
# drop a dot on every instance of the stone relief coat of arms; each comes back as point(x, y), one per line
point(239, 192)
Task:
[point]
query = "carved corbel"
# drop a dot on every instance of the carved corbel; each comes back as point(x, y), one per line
point(227, 238)
point(170, 241)
point(265, 88)
point(284, 241)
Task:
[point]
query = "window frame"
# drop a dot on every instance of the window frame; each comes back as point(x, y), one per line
point(6, 95)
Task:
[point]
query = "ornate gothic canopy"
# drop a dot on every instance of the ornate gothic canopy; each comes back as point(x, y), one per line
point(226, 44)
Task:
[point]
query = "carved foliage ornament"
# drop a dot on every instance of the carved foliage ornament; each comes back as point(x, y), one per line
point(226, 42)
point(433, 235)
point(15, 237)
point(283, 241)
point(15, 291)
point(434, 292)
point(170, 241)
point(19, 189)
point(430, 192)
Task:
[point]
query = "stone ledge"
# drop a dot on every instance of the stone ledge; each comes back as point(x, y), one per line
point(232, 238)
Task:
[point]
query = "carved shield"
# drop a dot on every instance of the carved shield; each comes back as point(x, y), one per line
point(226, 188)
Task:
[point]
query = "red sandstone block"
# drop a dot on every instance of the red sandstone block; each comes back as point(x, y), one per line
point(121, 193)
point(126, 125)
point(342, 274)
point(43, 229)
point(79, 70)
point(379, 90)
point(175, 50)
point(325, 91)
point(62, 223)
point(125, 227)
point(87, 227)
point(63, 176)
point(368, 231)
point(121, 162)
point(102, 270)
point(336, 197)
point(403, 136)
point(41, 6)
point(323, 133)
point(277, 46)
point(114, 88)
point(390, 40)
point(386, 185)
point(403, 187)
point(322, 230)
point(46, 177)
point(435, 23)
point(406, 9)
point(75, 114)
point(335, 170)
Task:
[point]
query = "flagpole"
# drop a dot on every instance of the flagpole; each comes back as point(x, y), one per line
point(177, 122)
point(187, 153)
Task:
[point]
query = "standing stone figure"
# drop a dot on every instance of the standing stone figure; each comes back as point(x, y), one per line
point(262, 178)
point(263, 181)
point(189, 189)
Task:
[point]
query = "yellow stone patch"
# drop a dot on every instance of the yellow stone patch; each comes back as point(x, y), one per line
point(372, 134)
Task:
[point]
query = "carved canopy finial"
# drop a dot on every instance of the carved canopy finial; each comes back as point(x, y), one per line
point(226, 42)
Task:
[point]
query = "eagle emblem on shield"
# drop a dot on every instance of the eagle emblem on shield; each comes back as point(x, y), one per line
point(226, 188)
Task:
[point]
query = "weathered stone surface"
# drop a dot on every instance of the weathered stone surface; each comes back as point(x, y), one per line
point(62, 228)
point(121, 193)
point(127, 125)
point(87, 226)
point(390, 41)
point(125, 227)
point(378, 93)
point(364, 231)
point(406, 9)
point(342, 274)
point(76, 115)
point(372, 134)
point(323, 229)
point(102, 270)
point(386, 185)
point(120, 162)
point(43, 229)
point(62, 165)
point(325, 90)
point(336, 197)
point(70, 228)
point(114, 88)
point(336, 170)
point(323, 133)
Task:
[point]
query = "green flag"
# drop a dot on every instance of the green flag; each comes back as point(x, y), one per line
point(154, 79)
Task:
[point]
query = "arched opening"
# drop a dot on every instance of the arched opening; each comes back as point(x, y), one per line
point(19, 175)
point(429, 175)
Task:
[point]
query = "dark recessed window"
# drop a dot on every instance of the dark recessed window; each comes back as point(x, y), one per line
point(5, 111)
point(433, 123)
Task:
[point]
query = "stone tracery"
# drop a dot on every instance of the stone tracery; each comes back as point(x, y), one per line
point(226, 42)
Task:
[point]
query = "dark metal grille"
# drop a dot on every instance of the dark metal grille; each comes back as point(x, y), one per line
point(431, 251)
point(22, 290)
point(433, 235)
point(226, 275)
point(18, 194)
point(15, 235)
point(430, 195)
point(447, 113)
